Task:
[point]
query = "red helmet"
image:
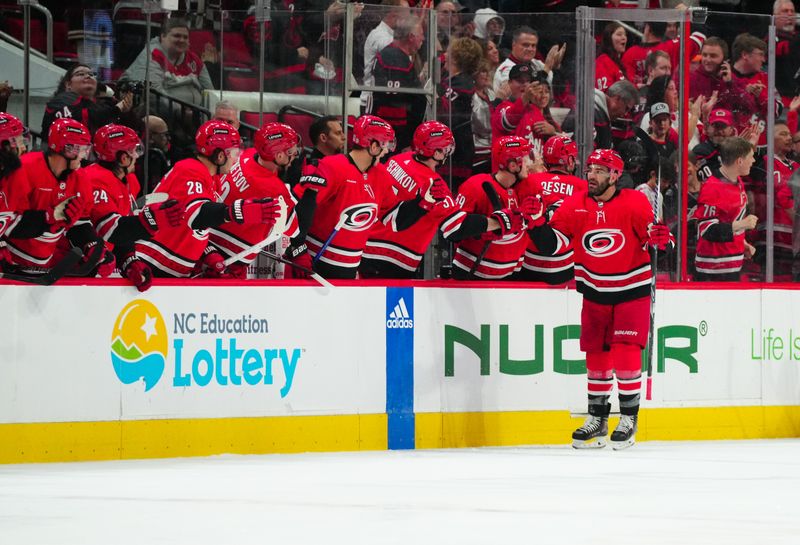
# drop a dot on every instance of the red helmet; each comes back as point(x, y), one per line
point(216, 135)
point(558, 149)
point(510, 148)
point(67, 134)
point(10, 127)
point(273, 138)
point(371, 128)
point(432, 136)
point(607, 158)
point(112, 139)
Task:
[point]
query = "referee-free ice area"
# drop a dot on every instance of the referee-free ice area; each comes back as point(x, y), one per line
point(726, 492)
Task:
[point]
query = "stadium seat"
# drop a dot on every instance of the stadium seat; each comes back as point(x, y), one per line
point(235, 52)
point(199, 38)
point(301, 123)
point(235, 81)
point(15, 27)
point(254, 118)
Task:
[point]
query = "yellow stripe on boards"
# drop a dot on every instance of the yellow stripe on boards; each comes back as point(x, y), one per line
point(474, 429)
point(134, 439)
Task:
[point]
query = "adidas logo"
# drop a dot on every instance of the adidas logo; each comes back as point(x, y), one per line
point(399, 317)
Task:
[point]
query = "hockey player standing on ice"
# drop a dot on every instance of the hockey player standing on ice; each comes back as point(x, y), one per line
point(255, 176)
point(183, 250)
point(53, 176)
point(339, 203)
point(560, 156)
point(612, 229)
point(114, 191)
point(14, 219)
point(398, 254)
point(722, 217)
point(496, 254)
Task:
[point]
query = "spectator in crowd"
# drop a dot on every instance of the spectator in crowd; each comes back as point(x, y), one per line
point(714, 74)
point(524, 44)
point(491, 55)
point(660, 140)
point(457, 89)
point(158, 154)
point(662, 89)
point(718, 127)
point(787, 50)
point(654, 39)
point(749, 54)
point(537, 124)
point(489, 26)
point(784, 204)
point(656, 64)
point(228, 112)
point(175, 70)
point(448, 23)
point(722, 218)
point(381, 36)
point(608, 65)
point(395, 67)
point(613, 105)
point(77, 97)
point(482, 108)
point(693, 187)
point(508, 114)
point(795, 153)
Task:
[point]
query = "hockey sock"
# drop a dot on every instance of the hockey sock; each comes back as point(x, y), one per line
point(600, 382)
point(627, 360)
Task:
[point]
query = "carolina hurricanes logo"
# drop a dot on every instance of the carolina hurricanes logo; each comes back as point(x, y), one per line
point(360, 217)
point(603, 242)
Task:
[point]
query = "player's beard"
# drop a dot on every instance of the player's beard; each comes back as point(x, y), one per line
point(597, 188)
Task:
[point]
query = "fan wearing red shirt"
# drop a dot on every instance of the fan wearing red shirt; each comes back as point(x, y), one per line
point(183, 250)
point(611, 229)
point(255, 176)
point(114, 212)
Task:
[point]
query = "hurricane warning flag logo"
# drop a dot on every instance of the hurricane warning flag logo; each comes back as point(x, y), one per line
point(139, 344)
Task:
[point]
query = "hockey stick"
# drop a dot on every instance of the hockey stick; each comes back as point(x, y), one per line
point(494, 200)
point(275, 233)
point(90, 264)
point(342, 219)
point(320, 280)
point(654, 266)
point(53, 275)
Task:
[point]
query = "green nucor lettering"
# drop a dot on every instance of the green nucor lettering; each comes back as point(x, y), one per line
point(560, 365)
point(683, 354)
point(522, 367)
point(479, 346)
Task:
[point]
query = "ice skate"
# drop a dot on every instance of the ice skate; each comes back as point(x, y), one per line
point(625, 434)
point(592, 434)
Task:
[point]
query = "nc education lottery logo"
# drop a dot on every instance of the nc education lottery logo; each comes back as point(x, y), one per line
point(139, 344)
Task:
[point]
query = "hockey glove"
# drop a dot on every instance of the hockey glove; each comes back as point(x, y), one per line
point(533, 211)
point(297, 255)
point(436, 193)
point(659, 236)
point(237, 271)
point(107, 264)
point(510, 220)
point(213, 264)
point(138, 272)
point(250, 211)
point(169, 213)
point(64, 214)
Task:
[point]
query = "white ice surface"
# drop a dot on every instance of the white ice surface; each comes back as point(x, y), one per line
point(738, 492)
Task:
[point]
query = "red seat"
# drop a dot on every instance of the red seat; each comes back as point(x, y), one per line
point(301, 123)
point(240, 82)
point(254, 118)
point(235, 52)
point(38, 38)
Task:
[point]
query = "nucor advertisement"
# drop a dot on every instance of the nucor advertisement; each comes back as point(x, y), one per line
point(81, 353)
point(512, 350)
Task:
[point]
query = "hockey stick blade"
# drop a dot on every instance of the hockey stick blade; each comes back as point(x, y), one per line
point(53, 275)
point(319, 279)
point(151, 198)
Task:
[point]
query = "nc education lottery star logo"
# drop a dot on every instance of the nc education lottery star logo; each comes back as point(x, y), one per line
point(139, 344)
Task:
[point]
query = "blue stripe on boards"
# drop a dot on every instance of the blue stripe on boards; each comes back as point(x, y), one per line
point(400, 367)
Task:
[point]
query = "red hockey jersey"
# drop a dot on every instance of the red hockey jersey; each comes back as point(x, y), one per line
point(606, 72)
point(350, 199)
point(175, 250)
point(633, 60)
point(503, 257)
point(406, 248)
point(249, 180)
point(112, 198)
point(612, 264)
point(554, 189)
point(40, 190)
point(721, 201)
point(784, 205)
